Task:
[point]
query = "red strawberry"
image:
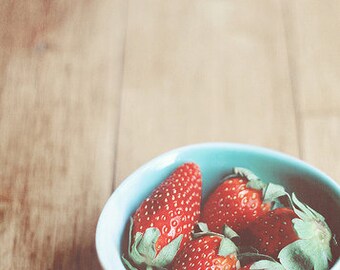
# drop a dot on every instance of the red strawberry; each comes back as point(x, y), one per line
point(300, 238)
point(271, 232)
point(239, 200)
point(163, 223)
point(209, 252)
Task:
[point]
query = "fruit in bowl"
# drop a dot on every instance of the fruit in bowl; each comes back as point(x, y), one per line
point(163, 223)
point(258, 197)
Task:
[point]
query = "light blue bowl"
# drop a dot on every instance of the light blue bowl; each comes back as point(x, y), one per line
point(216, 160)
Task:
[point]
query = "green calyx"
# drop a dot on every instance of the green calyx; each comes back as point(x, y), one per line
point(203, 230)
point(256, 183)
point(227, 245)
point(270, 192)
point(143, 250)
point(312, 250)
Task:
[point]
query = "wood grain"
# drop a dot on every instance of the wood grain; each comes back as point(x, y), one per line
point(90, 90)
point(320, 138)
point(314, 46)
point(61, 67)
point(204, 71)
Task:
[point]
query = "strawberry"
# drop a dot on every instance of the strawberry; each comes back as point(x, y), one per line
point(271, 232)
point(204, 253)
point(162, 224)
point(239, 200)
point(209, 251)
point(298, 237)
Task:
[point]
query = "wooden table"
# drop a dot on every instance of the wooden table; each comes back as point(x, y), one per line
point(90, 90)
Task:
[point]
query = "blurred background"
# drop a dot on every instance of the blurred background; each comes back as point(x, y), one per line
point(90, 90)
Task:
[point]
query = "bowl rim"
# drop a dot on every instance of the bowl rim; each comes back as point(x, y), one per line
point(210, 145)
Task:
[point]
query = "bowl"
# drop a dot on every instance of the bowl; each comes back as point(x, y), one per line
point(215, 160)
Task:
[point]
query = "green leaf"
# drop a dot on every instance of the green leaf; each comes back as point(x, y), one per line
point(301, 214)
point(200, 234)
point(302, 207)
point(204, 230)
point(266, 265)
point(203, 227)
point(134, 254)
point(320, 263)
point(167, 253)
point(146, 246)
point(272, 192)
point(316, 214)
point(227, 247)
point(312, 250)
point(143, 250)
point(303, 254)
point(130, 234)
point(245, 173)
point(229, 232)
point(292, 257)
point(256, 184)
point(304, 229)
point(128, 264)
point(278, 204)
point(250, 256)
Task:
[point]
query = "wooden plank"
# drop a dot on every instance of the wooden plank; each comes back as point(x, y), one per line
point(320, 143)
point(314, 45)
point(204, 71)
point(61, 68)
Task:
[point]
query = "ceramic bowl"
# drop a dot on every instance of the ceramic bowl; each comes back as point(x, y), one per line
point(215, 160)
